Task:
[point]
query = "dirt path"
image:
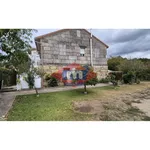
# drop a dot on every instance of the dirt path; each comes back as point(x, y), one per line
point(130, 102)
point(143, 99)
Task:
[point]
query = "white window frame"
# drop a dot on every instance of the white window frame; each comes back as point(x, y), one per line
point(82, 52)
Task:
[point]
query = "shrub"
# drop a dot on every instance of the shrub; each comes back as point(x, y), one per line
point(138, 81)
point(52, 82)
point(115, 76)
point(92, 81)
point(47, 77)
point(129, 78)
point(104, 80)
point(113, 80)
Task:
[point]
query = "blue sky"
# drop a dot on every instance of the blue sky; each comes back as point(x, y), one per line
point(128, 43)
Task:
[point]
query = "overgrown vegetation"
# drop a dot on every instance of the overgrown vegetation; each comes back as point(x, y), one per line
point(133, 70)
point(51, 81)
point(114, 62)
point(129, 77)
point(115, 77)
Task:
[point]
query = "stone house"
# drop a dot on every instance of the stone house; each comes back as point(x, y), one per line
point(66, 46)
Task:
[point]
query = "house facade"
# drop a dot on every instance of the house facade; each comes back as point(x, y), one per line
point(63, 47)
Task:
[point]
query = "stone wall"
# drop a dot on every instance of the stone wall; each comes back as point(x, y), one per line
point(101, 71)
point(51, 68)
point(64, 48)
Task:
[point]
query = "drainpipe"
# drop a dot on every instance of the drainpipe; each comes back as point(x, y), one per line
point(91, 49)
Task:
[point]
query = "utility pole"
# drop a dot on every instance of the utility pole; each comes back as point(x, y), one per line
point(91, 48)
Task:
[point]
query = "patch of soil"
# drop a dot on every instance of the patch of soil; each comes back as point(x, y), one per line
point(128, 106)
point(91, 107)
point(82, 107)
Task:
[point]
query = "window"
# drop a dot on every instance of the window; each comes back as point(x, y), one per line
point(82, 51)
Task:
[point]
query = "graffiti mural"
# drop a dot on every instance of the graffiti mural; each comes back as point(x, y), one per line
point(74, 74)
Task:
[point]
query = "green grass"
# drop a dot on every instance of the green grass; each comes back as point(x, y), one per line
point(54, 106)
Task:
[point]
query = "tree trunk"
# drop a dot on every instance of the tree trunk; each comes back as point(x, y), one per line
point(85, 91)
point(0, 84)
point(1, 80)
point(37, 94)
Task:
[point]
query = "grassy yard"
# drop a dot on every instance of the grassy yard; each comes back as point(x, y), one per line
point(57, 106)
point(52, 106)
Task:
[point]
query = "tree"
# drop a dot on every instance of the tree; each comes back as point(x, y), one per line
point(12, 40)
point(114, 62)
point(91, 77)
point(15, 46)
point(132, 66)
point(31, 74)
point(145, 75)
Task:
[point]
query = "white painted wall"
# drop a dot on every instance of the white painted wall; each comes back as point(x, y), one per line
point(38, 82)
point(23, 84)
